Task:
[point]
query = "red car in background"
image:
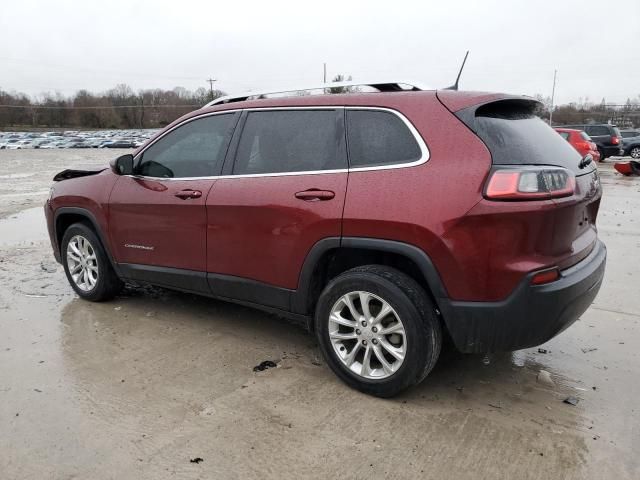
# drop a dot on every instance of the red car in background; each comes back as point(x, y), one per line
point(580, 141)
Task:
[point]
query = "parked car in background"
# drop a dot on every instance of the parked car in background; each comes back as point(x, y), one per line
point(355, 215)
point(580, 141)
point(631, 143)
point(606, 137)
point(74, 139)
point(120, 144)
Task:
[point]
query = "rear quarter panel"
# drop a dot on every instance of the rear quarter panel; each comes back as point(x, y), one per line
point(418, 205)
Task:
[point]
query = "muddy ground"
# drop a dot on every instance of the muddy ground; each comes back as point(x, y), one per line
point(144, 386)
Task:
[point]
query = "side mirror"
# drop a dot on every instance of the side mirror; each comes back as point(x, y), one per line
point(122, 165)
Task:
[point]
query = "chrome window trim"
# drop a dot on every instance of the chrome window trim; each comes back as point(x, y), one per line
point(424, 150)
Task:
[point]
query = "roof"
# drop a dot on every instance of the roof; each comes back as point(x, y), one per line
point(379, 85)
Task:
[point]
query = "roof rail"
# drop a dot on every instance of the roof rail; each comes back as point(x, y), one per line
point(383, 86)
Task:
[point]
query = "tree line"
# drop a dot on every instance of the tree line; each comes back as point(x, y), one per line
point(119, 107)
point(624, 115)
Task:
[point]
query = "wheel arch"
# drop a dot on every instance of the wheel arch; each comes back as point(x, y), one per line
point(64, 217)
point(331, 256)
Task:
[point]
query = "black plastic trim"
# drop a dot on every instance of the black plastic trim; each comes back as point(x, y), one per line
point(417, 255)
point(247, 290)
point(89, 216)
point(300, 297)
point(185, 280)
point(531, 315)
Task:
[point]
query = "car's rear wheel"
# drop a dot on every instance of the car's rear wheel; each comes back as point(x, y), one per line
point(377, 330)
point(87, 266)
point(635, 152)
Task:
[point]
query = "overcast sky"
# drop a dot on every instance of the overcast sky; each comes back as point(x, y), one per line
point(515, 45)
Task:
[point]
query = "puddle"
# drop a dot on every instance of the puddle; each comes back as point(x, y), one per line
point(25, 227)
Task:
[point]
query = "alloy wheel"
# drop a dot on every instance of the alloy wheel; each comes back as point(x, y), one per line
point(367, 335)
point(82, 263)
point(635, 152)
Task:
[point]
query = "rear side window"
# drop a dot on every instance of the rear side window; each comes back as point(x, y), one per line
point(377, 138)
point(564, 135)
point(282, 141)
point(194, 149)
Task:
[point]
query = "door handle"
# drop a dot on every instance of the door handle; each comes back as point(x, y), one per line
point(187, 194)
point(315, 195)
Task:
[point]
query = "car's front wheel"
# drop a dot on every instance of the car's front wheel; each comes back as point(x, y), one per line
point(377, 330)
point(635, 152)
point(87, 266)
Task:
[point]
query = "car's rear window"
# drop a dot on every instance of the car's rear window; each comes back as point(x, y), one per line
point(515, 135)
point(585, 136)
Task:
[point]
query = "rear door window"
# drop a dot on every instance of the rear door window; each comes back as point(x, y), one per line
point(564, 135)
point(379, 138)
point(282, 141)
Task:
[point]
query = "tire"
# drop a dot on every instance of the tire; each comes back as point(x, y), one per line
point(602, 155)
point(411, 309)
point(635, 152)
point(101, 282)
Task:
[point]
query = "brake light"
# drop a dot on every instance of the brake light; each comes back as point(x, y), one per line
point(546, 276)
point(530, 183)
point(580, 146)
point(615, 141)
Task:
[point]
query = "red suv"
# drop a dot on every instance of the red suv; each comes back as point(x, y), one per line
point(383, 221)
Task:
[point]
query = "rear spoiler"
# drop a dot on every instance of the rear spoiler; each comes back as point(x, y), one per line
point(455, 101)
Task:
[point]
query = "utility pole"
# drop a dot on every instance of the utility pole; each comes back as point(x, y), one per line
point(553, 93)
point(211, 80)
point(324, 76)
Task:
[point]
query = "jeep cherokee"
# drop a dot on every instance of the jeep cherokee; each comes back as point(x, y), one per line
point(383, 221)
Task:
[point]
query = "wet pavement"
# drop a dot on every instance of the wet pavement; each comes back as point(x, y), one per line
point(141, 386)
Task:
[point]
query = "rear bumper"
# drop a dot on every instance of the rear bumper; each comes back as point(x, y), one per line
point(611, 151)
point(531, 315)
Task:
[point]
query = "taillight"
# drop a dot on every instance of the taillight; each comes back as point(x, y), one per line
point(615, 141)
point(530, 183)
